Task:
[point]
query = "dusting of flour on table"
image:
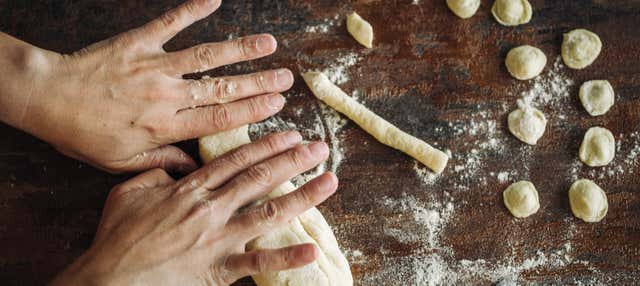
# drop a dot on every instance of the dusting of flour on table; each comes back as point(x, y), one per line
point(337, 70)
point(323, 27)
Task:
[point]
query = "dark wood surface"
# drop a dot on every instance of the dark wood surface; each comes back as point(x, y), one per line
point(431, 74)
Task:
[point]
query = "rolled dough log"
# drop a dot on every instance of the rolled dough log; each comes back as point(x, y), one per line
point(331, 267)
point(375, 125)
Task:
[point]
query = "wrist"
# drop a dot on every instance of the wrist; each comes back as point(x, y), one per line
point(25, 69)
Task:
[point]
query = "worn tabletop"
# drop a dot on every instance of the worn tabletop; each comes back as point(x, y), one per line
point(432, 74)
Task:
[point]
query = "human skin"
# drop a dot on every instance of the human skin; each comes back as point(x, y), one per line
point(119, 103)
point(158, 231)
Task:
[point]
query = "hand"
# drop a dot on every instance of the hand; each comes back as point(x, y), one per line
point(118, 104)
point(156, 231)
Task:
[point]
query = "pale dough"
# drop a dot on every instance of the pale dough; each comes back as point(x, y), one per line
point(375, 125)
point(597, 96)
point(360, 29)
point(598, 147)
point(463, 8)
point(527, 123)
point(525, 62)
point(580, 48)
point(330, 268)
point(511, 12)
point(521, 199)
point(588, 201)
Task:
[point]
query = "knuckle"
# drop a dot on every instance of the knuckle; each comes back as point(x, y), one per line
point(270, 211)
point(243, 46)
point(274, 143)
point(240, 157)
point(220, 117)
point(260, 82)
point(260, 262)
point(192, 7)
point(297, 157)
point(254, 108)
point(205, 56)
point(168, 19)
point(260, 174)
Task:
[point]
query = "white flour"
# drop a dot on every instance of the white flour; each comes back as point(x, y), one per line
point(337, 71)
point(323, 27)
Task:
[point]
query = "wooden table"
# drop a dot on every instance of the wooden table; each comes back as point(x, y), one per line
point(434, 75)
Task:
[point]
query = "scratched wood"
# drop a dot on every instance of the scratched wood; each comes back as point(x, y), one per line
point(428, 68)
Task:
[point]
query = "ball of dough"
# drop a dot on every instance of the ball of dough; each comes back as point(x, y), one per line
point(598, 147)
point(597, 96)
point(580, 48)
point(521, 199)
point(525, 62)
point(588, 201)
point(527, 124)
point(463, 8)
point(511, 12)
point(360, 29)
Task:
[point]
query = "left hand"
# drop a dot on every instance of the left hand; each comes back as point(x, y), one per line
point(156, 231)
point(118, 104)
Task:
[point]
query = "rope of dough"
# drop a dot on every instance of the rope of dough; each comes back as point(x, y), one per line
point(331, 268)
point(375, 125)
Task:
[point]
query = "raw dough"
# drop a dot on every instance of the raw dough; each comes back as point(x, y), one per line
point(511, 12)
point(527, 123)
point(375, 125)
point(525, 62)
point(330, 269)
point(598, 147)
point(597, 96)
point(463, 8)
point(360, 29)
point(588, 201)
point(580, 48)
point(521, 199)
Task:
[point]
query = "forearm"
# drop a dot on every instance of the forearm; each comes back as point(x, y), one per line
point(23, 69)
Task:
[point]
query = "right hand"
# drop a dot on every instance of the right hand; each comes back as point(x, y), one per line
point(119, 103)
point(156, 231)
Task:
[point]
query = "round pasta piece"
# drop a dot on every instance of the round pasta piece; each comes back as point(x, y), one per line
point(580, 48)
point(525, 62)
point(463, 8)
point(511, 12)
point(527, 124)
point(521, 199)
point(597, 96)
point(588, 201)
point(598, 147)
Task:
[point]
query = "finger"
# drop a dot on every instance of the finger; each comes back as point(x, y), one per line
point(230, 164)
point(212, 55)
point(262, 178)
point(270, 260)
point(165, 27)
point(167, 157)
point(279, 211)
point(150, 179)
point(203, 121)
point(209, 91)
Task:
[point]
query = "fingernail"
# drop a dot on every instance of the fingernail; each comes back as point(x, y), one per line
point(284, 78)
point(275, 101)
point(293, 137)
point(319, 149)
point(265, 43)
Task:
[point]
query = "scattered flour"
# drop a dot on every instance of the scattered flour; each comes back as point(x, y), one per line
point(337, 71)
point(323, 27)
point(550, 89)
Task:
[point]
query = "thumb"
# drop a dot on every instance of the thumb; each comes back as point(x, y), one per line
point(169, 158)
